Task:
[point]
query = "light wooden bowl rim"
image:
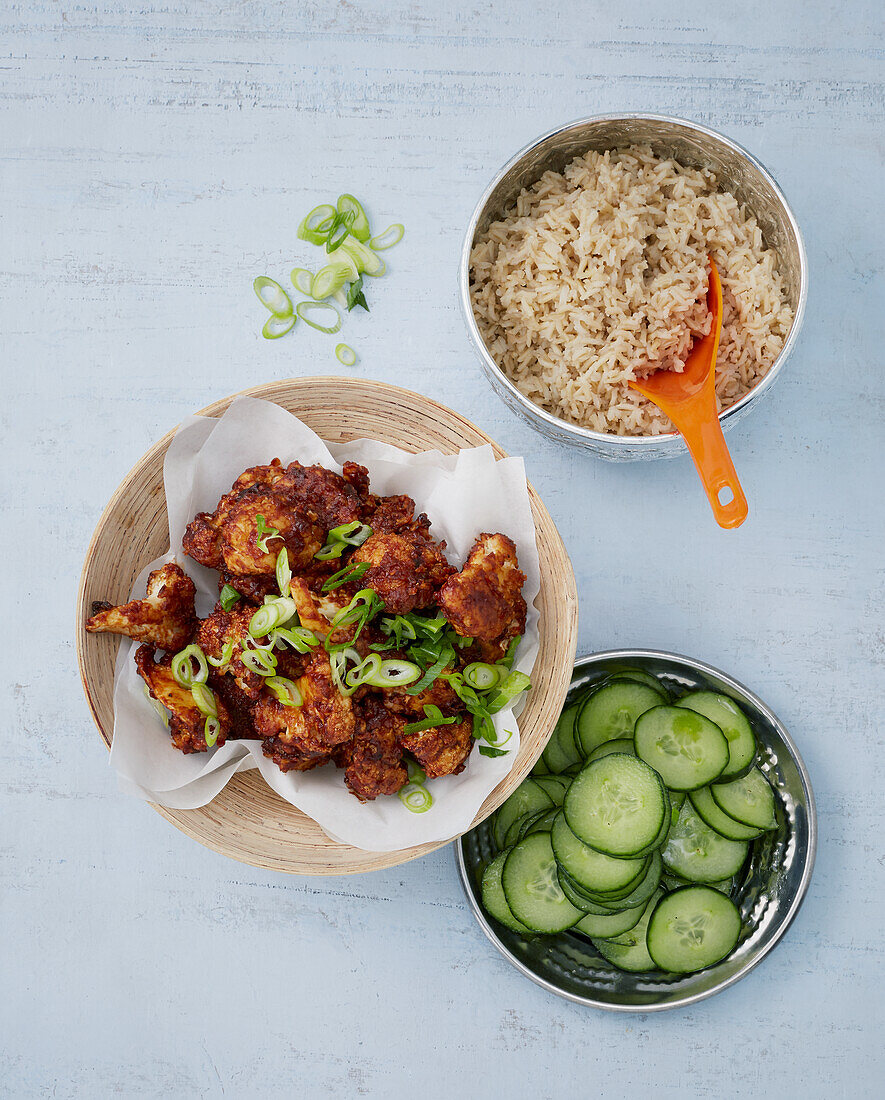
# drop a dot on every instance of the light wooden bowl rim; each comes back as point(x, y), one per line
point(287, 840)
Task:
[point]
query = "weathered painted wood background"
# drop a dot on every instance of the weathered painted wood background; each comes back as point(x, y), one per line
point(154, 157)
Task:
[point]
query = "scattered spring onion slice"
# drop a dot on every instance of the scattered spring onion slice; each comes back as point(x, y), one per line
point(283, 571)
point(183, 669)
point(315, 227)
point(339, 538)
point(352, 572)
point(305, 309)
point(286, 691)
point(415, 773)
point(363, 607)
point(339, 660)
point(229, 596)
point(328, 280)
point(359, 227)
point(275, 327)
point(272, 296)
point(392, 673)
point(515, 684)
point(355, 296)
point(211, 730)
point(364, 257)
point(299, 638)
point(345, 355)
point(392, 235)
point(302, 279)
point(416, 798)
point(434, 718)
point(270, 616)
point(264, 533)
point(260, 661)
point(204, 700)
point(227, 655)
point(339, 231)
point(482, 676)
point(447, 655)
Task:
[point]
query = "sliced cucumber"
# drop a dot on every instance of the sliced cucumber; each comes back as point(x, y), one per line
point(532, 888)
point(686, 749)
point(676, 800)
point(651, 880)
point(555, 786)
point(539, 768)
point(724, 886)
point(527, 798)
point(691, 929)
point(577, 899)
point(729, 717)
point(718, 820)
point(620, 744)
point(611, 711)
point(637, 676)
point(592, 870)
point(493, 899)
point(697, 853)
point(616, 805)
point(612, 924)
point(541, 824)
point(629, 951)
point(561, 751)
point(522, 826)
point(749, 800)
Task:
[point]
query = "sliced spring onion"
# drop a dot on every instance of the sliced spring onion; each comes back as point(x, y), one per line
point(315, 227)
point(394, 673)
point(434, 718)
point(352, 572)
point(515, 684)
point(416, 798)
point(380, 269)
point(363, 607)
point(229, 596)
point(339, 538)
point(415, 773)
point(272, 615)
point(302, 279)
point(305, 309)
point(275, 327)
point(286, 691)
point(264, 533)
point(392, 235)
point(328, 280)
point(341, 298)
point(211, 730)
point(299, 638)
point(345, 355)
point(283, 571)
point(445, 658)
point(272, 296)
point(482, 676)
point(227, 655)
point(365, 259)
point(364, 672)
point(339, 660)
point(490, 750)
point(260, 661)
point(359, 226)
point(339, 231)
point(204, 700)
point(183, 670)
point(507, 660)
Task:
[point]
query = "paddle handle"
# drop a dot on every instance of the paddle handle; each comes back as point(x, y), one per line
point(708, 448)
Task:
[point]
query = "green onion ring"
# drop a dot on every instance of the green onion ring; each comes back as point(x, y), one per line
point(227, 655)
point(302, 279)
point(416, 798)
point(228, 597)
point(352, 572)
point(299, 638)
point(315, 227)
point(183, 670)
point(482, 676)
point(204, 700)
point(364, 672)
point(364, 257)
point(380, 269)
point(415, 773)
point(261, 662)
point(283, 571)
point(338, 661)
point(305, 309)
point(345, 355)
point(275, 327)
point(380, 243)
point(272, 296)
point(359, 227)
point(395, 673)
point(211, 730)
point(327, 280)
point(286, 691)
point(515, 684)
point(270, 616)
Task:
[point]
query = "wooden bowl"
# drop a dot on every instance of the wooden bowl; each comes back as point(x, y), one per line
point(247, 820)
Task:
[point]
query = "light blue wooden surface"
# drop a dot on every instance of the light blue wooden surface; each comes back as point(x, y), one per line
point(153, 159)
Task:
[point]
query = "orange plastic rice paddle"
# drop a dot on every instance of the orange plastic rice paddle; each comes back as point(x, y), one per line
point(689, 399)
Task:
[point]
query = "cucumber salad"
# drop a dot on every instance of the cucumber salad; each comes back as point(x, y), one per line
point(633, 825)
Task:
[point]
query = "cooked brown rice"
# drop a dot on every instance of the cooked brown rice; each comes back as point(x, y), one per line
point(599, 273)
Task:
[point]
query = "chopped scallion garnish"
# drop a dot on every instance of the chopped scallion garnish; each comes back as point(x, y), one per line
point(392, 235)
point(302, 279)
point(283, 572)
point(270, 616)
point(228, 597)
point(345, 355)
point(416, 798)
point(353, 572)
point(328, 280)
point(305, 309)
point(275, 327)
point(183, 667)
point(272, 296)
point(359, 225)
point(286, 691)
point(315, 227)
point(482, 676)
point(433, 718)
point(211, 730)
point(264, 533)
point(204, 700)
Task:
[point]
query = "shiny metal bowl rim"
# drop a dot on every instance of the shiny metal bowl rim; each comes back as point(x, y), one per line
point(582, 664)
point(560, 426)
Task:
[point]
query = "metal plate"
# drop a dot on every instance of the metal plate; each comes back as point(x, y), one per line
point(771, 886)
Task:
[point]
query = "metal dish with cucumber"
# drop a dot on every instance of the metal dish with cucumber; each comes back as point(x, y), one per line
point(662, 847)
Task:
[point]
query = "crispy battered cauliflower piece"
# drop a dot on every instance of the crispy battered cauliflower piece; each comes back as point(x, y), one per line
point(242, 534)
point(441, 750)
point(186, 723)
point(322, 495)
point(406, 569)
point(322, 722)
point(373, 760)
point(215, 632)
point(484, 600)
point(438, 694)
point(165, 618)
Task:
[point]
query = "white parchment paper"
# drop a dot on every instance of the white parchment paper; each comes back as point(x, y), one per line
point(463, 495)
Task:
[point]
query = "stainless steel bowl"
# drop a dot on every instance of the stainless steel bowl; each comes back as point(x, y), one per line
point(693, 145)
point(769, 893)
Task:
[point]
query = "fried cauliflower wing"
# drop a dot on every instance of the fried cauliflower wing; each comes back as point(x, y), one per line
point(441, 750)
point(406, 569)
point(165, 618)
point(214, 633)
point(373, 760)
point(186, 723)
point(322, 722)
point(322, 495)
point(438, 694)
point(484, 600)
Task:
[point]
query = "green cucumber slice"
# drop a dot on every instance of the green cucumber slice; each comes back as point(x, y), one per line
point(620, 744)
point(616, 805)
point(577, 899)
point(527, 798)
point(590, 869)
point(718, 820)
point(611, 711)
point(539, 768)
point(629, 951)
point(697, 853)
point(637, 676)
point(749, 800)
point(651, 880)
point(561, 751)
point(539, 824)
point(686, 749)
point(555, 786)
point(532, 888)
point(729, 717)
point(691, 929)
point(493, 900)
point(724, 886)
point(612, 924)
